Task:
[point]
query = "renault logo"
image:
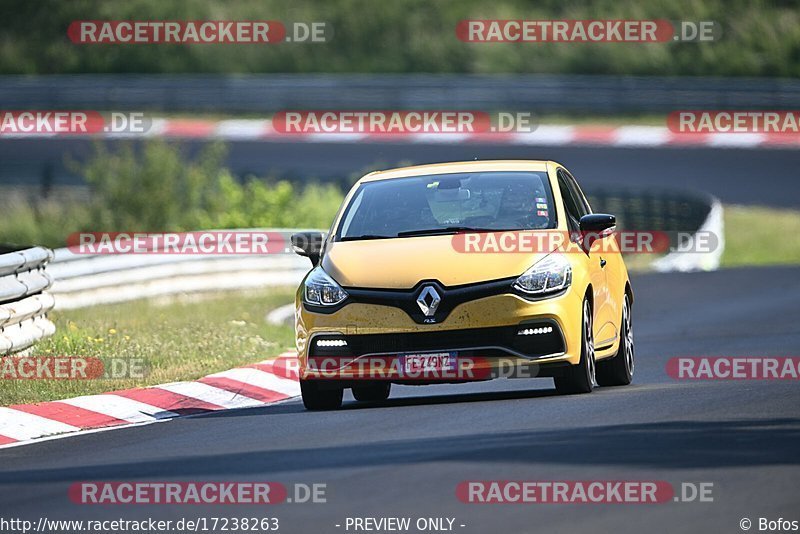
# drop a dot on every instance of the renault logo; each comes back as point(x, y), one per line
point(428, 301)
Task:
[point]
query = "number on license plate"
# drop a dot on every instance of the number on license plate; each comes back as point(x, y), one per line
point(436, 361)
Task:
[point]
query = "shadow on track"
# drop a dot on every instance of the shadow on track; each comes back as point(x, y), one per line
point(428, 400)
point(708, 444)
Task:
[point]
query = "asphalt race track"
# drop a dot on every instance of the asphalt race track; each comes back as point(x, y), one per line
point(405, 458)
point(741, 176)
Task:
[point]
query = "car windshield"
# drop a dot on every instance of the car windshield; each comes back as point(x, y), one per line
point(448, 203)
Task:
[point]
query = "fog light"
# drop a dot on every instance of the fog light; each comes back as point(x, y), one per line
point(535, 331)
point(331, 343)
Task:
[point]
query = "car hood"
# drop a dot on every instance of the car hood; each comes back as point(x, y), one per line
point(403, 262)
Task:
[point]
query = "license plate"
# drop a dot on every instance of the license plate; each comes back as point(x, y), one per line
point(431, 361)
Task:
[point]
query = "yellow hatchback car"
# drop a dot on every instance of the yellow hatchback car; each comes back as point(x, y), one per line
point(458, 272)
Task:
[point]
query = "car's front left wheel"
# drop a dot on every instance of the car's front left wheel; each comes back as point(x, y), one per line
point(618, 371)
point(320, 397)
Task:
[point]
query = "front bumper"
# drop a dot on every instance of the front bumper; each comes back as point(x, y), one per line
point(487, 328)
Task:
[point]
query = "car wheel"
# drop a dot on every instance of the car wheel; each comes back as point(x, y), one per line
point(618, 371)
point(375, 392)
point(319, 398)
point(580, 378)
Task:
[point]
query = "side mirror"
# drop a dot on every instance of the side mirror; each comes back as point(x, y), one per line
point(595, 226)
point(600, 223)
point(308, 244)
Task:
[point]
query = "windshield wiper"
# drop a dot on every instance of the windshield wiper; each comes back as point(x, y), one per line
point(453, 230)
point(429, 231)
point(365, 237)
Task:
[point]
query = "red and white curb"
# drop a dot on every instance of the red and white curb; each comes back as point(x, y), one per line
point(258, 384)
point(544, 135)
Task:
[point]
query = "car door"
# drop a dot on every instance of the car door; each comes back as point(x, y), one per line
point(576, 206)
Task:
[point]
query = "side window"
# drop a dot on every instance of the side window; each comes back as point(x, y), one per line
point(580, 198)
point(574, 213)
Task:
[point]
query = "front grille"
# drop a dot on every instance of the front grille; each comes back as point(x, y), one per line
point(406, 299)
point(504, 338)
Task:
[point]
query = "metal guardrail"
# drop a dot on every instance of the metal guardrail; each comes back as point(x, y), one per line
point(87, 280)
point(273, 92)
point(682, 215)
point(23, 301)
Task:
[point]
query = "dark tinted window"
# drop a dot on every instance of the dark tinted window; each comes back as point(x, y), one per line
point(485, 200)
point(580, 198)
point(572, 206)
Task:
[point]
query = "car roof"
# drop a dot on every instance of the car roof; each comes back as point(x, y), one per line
point(459, 167)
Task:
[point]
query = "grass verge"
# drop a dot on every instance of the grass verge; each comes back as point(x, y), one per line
point(183, 339)
point(761, 236)
point(754, 236)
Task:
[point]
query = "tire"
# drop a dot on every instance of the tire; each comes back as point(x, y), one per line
point(618, 371)
point(580, 378)
point(374, 392)
point(316, 398)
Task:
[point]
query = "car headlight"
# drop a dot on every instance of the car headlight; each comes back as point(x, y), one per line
point(551, 274)
point(322, 290)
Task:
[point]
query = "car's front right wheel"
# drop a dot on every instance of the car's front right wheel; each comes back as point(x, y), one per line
point(320, 397)
point(580, 378)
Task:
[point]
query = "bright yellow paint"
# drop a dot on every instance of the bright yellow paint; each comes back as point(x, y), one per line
point(402, 263)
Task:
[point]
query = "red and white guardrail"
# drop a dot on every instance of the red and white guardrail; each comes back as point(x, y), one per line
point(544, 135)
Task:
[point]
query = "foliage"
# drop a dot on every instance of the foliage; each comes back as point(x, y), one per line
point(159, 188)
point(759, 38)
